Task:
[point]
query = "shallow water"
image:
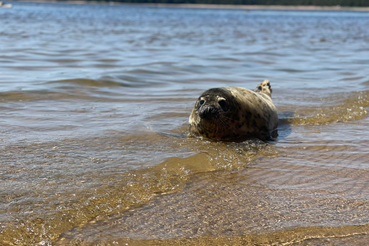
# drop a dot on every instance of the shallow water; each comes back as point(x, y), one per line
point(94, 106)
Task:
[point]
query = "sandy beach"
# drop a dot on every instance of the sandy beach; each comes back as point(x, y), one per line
point(221, 6)
point(262, 7)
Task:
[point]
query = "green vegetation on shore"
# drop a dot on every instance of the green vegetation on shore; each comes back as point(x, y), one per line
point(351, 3)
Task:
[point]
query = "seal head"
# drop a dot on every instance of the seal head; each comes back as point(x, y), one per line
point(213, 104)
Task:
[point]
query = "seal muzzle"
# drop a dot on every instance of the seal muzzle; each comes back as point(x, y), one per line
point(208, 112)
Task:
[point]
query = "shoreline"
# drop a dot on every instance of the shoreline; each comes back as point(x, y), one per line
point(217, 6)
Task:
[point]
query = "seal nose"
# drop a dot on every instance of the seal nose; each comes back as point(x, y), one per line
point(208, 112)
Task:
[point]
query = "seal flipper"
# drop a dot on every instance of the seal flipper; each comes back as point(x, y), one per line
point(264, 87)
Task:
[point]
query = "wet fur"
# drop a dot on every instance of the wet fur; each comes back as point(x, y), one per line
point(234, 113)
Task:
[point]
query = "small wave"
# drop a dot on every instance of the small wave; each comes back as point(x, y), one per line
point(347, 108)
point(28, 96)
point(366, 82)
point(108, 81)
point(88, 82)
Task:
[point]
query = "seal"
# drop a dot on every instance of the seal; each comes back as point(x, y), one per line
point(235, 114)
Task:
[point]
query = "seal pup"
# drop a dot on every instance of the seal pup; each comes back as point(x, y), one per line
point(235, 114)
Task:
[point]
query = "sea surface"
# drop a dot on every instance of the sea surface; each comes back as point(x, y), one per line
point(94, 145)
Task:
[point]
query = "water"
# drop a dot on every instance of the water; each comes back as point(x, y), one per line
point(94, 106)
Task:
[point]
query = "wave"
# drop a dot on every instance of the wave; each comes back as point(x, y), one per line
point(349, 107)
point(108, 81)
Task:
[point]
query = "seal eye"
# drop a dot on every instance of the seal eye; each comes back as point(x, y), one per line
point(201, 102)
point(223, 104)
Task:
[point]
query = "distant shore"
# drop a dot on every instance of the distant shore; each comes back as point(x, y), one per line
point(217, 6)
